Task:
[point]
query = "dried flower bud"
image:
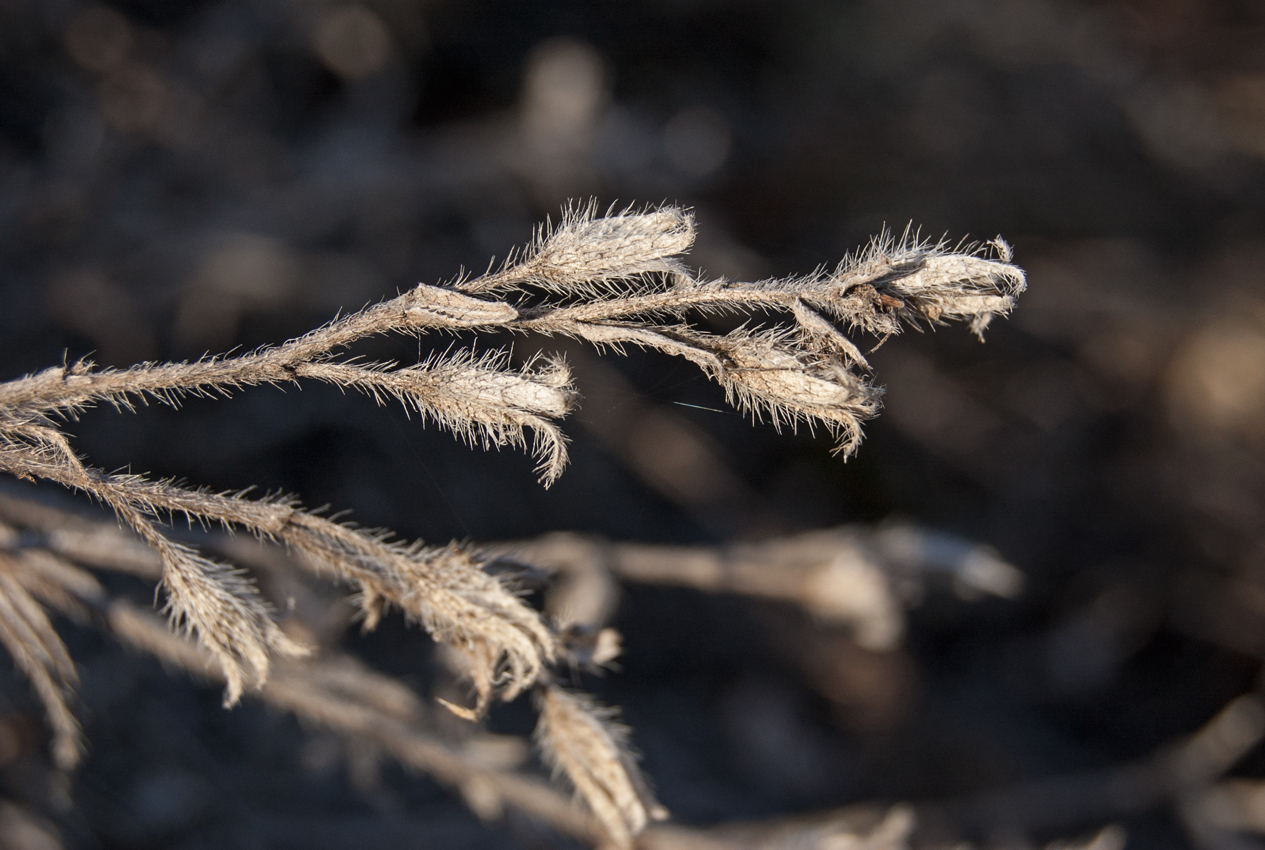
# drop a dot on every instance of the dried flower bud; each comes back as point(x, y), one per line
point(767, 378)
point(583, 741)
point(584, 254)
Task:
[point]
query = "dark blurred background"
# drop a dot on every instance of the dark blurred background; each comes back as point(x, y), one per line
point(177, 178)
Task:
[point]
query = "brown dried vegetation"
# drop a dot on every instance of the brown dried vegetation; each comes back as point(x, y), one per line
point(613, 281)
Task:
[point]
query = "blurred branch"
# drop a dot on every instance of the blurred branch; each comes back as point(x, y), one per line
point(859, 576)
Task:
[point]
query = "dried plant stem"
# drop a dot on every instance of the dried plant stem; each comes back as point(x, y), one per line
point(789, 375)
point(445, 589)
point(614, 281)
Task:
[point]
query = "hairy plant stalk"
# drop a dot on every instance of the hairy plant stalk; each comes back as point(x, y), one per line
point(615, 281)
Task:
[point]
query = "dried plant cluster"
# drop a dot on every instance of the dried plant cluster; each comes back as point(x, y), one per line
point(614, 281)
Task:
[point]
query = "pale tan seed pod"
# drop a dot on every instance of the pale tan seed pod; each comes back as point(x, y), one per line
point(587, 255)
point(482, 400)
point(584, 742)
point(769, 379)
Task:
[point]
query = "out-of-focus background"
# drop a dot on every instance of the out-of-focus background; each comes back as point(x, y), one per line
point(178, 178)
